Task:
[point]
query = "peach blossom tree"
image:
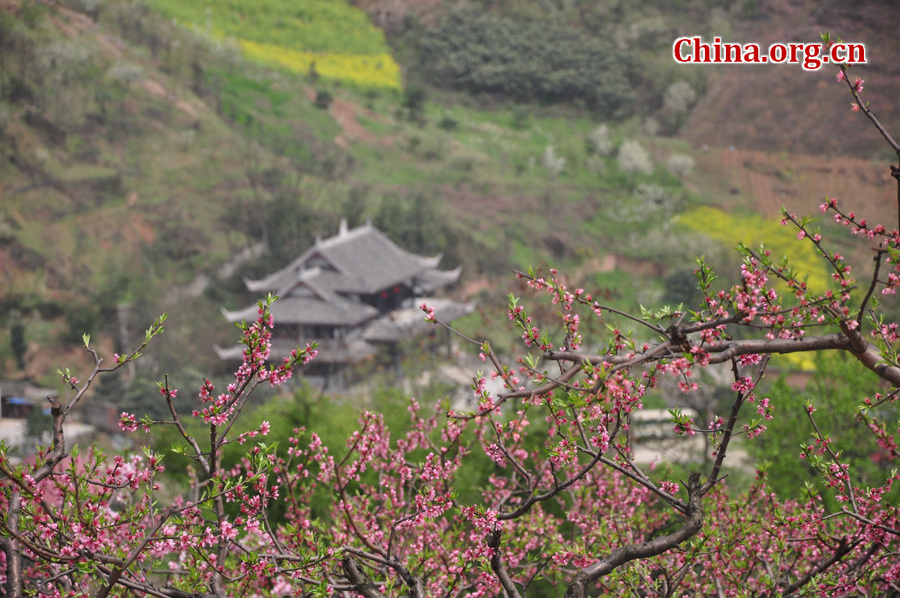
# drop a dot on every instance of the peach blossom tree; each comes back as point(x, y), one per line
point(560, 505)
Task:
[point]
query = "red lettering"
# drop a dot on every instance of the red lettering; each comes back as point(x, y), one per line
point(676, 49)
point(751, 53)
point(732, 50)
point(701, 51)
point(777, 52)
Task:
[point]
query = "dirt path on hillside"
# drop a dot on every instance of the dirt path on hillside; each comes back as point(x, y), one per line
point(158, 89)
point(345, 113)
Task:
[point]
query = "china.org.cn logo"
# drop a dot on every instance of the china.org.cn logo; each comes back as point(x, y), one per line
point(693, 50)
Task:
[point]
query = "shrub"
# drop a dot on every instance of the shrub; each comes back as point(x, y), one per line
point(553, 163)
point(599, 141)
point(448, 122)
point(634, 159)
point(681, 165)
point(17, 338)
point(679, 97)
point(651, 126)
point(323, 99)
point(414, 102)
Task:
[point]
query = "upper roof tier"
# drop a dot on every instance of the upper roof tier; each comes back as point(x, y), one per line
point(362, 260)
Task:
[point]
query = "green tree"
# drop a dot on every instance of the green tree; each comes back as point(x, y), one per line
point(835, 389)
point(414, 102)
point(17, 338)
point(37, 425)
point(418, 226)
point(531, 62)
point(291, 222)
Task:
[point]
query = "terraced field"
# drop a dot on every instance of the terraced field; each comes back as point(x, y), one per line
point(326, 39)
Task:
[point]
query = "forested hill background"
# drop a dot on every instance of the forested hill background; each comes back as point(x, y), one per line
point(151, 148)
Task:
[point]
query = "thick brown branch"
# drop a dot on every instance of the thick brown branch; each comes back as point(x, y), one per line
point(842, 550)
point(557, 488)
point(361, 582)
point(13, 549)
point(578, 588)
point(413, 582)
point(728, 432)
point(499, 568)
point(869, 355)
point(722, 351)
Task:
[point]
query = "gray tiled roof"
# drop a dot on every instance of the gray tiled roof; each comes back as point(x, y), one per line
point(370, 261)
point(320, 286)
point(310, 310)
point(328, 351)
point(365, 260)
point(432, 279)
point(405, 323)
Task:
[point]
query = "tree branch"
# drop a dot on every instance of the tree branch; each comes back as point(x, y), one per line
point(362, 583)
point(499, 568)
point(620, 556)
point(842, 550)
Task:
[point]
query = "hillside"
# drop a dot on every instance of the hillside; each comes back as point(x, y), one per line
point(748, 107)
point(140, 156)
point(789, 109)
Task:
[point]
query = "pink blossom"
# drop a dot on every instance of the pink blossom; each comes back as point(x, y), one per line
point(127, 422)
point(669, 487)
point(429, 313)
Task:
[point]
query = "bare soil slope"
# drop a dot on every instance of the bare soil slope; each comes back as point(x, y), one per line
point(782, 107)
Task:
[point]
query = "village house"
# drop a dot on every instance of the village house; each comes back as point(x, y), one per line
point(357, 295)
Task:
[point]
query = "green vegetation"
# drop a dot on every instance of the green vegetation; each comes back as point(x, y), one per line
point(312, 25)
point(318, 38)
point(840, 384)
point(131, 169)
point(476, 52)
point(137, 156)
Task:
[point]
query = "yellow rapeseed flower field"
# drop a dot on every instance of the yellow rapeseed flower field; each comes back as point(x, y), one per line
point(369, 71)
point(751, 229)
point(338, 37)
point(780, 240)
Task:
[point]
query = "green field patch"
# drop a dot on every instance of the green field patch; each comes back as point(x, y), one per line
point(312, 25)
point(326, 38)
point(82, 172)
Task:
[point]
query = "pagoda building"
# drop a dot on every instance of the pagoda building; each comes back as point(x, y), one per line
point(356, 294)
